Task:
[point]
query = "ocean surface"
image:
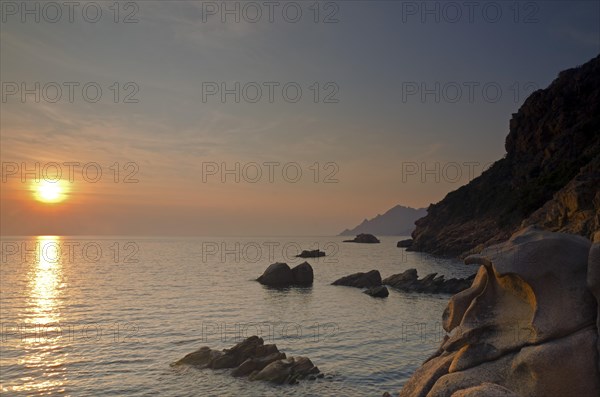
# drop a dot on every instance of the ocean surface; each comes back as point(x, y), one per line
point(106, 316)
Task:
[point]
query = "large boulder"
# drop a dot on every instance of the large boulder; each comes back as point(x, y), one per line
point(280, 275)
point(364, 238)
point(527, 324)
point(404, 243)
point(360, 280)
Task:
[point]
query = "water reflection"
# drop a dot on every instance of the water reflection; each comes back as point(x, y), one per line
point(42, 365)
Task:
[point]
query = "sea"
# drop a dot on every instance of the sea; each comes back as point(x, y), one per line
point(109, 315)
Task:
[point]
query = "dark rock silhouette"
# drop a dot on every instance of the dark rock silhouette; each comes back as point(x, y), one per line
point(397, 221)
point(404, 243)
point(432, 283)
point(280, 275)
point(360, 280)
point(364, 238)
point(549, 176)
point(377, 292)
point(311, 254)
point(253, 359)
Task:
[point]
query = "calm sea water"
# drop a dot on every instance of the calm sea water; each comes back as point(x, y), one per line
point(106, 316)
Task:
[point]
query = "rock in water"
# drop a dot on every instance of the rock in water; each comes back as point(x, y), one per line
point(404, 243)
point(378, 292)
point(431, 284)
point(251, 357)
point(280, 275)
point(364, 238)
point(311, 254)
point(361, 280)
point(526, 327)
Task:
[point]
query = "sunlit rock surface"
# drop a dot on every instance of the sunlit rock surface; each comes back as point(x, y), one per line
point(526, 326)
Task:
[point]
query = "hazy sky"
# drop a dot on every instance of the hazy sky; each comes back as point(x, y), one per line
point(373, 121)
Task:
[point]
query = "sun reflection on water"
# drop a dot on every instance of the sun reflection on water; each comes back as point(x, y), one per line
point(43, 364)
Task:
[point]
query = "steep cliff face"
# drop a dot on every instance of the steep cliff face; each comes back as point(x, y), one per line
point(547, 178)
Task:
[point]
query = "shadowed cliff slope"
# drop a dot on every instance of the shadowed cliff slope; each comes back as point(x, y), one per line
point(548, 177)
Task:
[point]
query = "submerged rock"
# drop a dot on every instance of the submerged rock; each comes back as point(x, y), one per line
point(311, 254)
point(526, 327)
point(364, 238)
point(280, 275)
point(377, 292)
point(253, 359)
point(360, 280)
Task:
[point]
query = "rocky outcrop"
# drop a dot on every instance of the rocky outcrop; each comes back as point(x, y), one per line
point(280, 275)
point(548, 177)
point(311, 254)
point(364, 238)
point(409, 281)
point(378, 292)
point(398, 221)
point(360, 280)
point(253, 359)
point(526, 327)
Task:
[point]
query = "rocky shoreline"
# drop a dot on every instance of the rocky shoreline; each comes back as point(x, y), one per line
point(528, 326)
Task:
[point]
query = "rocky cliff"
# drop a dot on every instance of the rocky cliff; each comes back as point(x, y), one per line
point(548, 177)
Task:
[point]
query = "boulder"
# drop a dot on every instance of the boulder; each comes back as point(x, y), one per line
point(360, 280)
point(303, 274)
point(404, 243)
point(526, 326)
point(377, 292)
point(252, 358)
point(287, 371)
point(311, 254)
point(280, 275)
point(364, 238)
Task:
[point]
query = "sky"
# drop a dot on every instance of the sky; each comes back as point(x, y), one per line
point(298, 118)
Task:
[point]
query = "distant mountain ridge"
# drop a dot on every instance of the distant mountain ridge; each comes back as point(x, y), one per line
point(397, 221)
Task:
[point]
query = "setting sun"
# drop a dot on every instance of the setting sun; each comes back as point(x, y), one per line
point(49, 191)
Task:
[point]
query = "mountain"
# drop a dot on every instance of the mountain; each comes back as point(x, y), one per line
point(397, 221)
point(549, 177)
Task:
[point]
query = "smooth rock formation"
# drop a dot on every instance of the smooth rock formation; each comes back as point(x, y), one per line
point(280, 275)
point(378, 292)
point(404, 243)
point(311, 254)
point(593, 281)
point(548, 177)
point(253, 359)
point(364, 238)
point(409, 281)
point(360, 280)
point(526, 327)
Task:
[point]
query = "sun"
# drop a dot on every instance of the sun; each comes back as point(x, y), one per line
point(49, 191)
